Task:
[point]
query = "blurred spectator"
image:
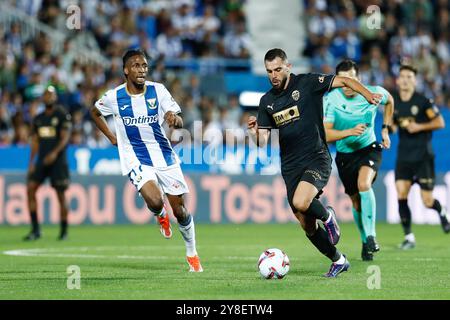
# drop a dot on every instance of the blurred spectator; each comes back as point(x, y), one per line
point(415, 31)
point(21, 135)
point(169, 44)
point(237, 42)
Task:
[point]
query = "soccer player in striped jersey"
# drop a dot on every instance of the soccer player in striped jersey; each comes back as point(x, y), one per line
point(349, 120)
point(139, 108)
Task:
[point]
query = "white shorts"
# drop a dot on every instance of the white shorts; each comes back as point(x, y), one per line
point(170, 179)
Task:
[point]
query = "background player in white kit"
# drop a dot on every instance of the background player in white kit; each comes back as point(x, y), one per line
point(140, 108)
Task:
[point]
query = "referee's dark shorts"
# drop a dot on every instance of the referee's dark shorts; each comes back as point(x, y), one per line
point(348, 165)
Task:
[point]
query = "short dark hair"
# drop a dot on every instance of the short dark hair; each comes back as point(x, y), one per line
point(132, 53)
point(275, 53)
point(347, 65)
point(409, 68)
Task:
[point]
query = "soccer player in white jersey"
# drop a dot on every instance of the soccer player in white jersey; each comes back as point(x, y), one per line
point(140, 108)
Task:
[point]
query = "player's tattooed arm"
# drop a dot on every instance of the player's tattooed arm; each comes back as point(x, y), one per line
point(100, 122)
point(341, 81)
point(258, 136)
point(173, 120)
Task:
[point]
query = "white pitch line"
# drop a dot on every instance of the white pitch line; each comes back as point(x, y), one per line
point(56, 253)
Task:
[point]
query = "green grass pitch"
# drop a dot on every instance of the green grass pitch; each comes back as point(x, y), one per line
point(135, 262)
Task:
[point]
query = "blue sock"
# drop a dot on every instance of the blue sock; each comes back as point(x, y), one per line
point(369, 207)
point(358, 220)
point(186, 221)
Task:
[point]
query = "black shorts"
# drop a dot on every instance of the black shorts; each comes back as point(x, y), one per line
point(348, 165)
point(317, 172)
point(421, 172)
point(58, 173)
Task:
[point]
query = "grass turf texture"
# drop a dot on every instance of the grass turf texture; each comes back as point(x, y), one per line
point(135, 262)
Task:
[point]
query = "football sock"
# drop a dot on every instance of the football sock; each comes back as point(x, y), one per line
point(320, 240)
point(317, 210)
point(405, 215)
point(161, 213)
point(34, 221)
point(63, 227)
point(410, 237)
point(358, 221)
point(341, 260)
point(368, 212)
point(437, 206)
point(187, 229)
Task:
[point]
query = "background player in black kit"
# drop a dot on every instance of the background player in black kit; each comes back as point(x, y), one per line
point(416, 118)
point(294, 106)
point(51, 132)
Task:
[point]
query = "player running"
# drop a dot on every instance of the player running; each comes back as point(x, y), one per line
point(50, 135)
point(140, 108)
point(416, 117)
point(294, 106)
point(349, 120)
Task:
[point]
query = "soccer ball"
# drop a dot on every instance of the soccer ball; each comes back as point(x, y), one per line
point(273, 263)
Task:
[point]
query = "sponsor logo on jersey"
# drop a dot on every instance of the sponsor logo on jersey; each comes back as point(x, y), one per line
point(404, 122)
point(321, 79)
point(270, 106)
point(47, 132)
point(129, 121)
point(286, 116)
point(296, 95)
point(124, 107)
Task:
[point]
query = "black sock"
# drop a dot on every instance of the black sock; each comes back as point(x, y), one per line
point(437, 206)
point(34, 221)
point(317, 210)
point(63, 226)
point(321, 242)
point(405, 216)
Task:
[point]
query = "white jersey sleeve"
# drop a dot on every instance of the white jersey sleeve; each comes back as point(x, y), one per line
point(166, 101)
point(104, 104)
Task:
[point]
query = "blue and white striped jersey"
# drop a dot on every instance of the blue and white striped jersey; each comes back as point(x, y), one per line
point(138, 119)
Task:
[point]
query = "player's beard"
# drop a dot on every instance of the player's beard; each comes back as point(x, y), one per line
point(280, 87)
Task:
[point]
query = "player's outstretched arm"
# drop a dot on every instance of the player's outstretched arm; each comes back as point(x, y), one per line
point(100, 122)
point(173, 120)
point(334, 134)
point(259, 136)
point(341, 81)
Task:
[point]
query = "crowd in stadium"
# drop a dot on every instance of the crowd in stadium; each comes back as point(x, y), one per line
point(413, 31)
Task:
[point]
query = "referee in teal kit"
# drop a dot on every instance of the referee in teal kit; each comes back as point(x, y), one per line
point(349, 120)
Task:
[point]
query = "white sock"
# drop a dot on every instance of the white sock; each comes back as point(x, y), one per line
point(188, 233)
point(329, 218)
point(160, 214)
point(341, 260)
point(410, 237)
